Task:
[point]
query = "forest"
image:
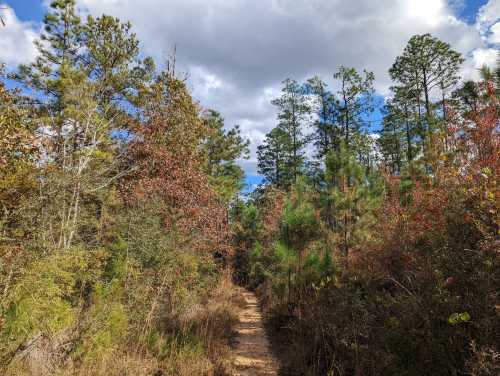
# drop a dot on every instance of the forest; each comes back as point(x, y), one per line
point(126, 241)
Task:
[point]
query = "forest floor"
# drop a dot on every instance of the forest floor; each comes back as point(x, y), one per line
point(253, 356)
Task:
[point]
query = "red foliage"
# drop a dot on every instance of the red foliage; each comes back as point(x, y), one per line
point(462, 193)
point(272, 209)
point(169, 168)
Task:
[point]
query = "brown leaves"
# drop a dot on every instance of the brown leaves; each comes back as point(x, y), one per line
point(16, 140)
point(167, 153)
point(455, 206)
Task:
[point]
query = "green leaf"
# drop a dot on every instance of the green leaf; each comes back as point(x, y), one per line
point(457, 318)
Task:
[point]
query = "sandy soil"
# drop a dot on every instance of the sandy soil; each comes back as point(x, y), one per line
point(253, 353)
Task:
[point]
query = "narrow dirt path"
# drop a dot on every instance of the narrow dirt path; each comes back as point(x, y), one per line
point(253, 352)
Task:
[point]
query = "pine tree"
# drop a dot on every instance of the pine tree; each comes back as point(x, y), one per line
point(272, 157)
point(293, 111)
point(390, 141)
point(83, 72)
point(355, 96)
point(102, 49)
point(111, 60)
point(467, 97)
point(426, 64)
point(223, 149)
point(19, 152)
point(299, 226)
point(352, 200)
point(326, 107)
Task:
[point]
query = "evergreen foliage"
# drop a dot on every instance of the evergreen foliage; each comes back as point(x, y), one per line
point(122, 230)
point(382, 259)
point(111, 247)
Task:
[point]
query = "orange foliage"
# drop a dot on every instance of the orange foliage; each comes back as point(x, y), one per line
point(462, 194)
point(166, 151)
point(272, 209)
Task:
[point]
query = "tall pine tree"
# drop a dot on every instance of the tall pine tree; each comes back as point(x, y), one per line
point(355, 96)
point(293, 112)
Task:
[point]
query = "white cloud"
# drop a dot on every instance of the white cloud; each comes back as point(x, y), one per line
point(477, 58)
point(238, 51)
point(489, 13)
point(488, 21)
point(484, 57)
point(429, 11)
point(488, 27)
point(16, 39)
point(495, 34)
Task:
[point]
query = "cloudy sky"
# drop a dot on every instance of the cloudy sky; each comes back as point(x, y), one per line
point(238, 51)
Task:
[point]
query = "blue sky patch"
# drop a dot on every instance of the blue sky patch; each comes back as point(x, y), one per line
point(27, 10)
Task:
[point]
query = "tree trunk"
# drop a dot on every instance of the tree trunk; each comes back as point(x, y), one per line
point(426, 93)
point(346, 245)
point(408, 137)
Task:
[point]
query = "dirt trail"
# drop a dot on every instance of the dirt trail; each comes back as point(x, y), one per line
point(253, 353)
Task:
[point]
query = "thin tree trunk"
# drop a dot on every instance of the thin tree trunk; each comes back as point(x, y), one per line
point(346, 245)
point(408, 136)
point(426, 94)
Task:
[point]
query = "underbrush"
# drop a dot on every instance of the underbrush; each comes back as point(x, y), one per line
point(363, 326)
point(89, 313)
point(419, 297)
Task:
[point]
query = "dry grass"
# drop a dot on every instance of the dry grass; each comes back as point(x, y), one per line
point(197, 343)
